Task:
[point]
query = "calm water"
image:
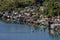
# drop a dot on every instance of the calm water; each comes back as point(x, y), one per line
point(23, 32)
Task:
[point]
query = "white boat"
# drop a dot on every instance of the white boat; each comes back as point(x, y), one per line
point(55, 25)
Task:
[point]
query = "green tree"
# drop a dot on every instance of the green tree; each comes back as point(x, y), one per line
point(52, 6)
point(8, 4)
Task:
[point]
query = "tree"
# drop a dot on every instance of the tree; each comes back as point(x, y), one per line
point(12, 4)
point(52, 6)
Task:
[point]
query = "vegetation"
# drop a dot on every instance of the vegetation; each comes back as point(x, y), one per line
point(12, 4)
point(52, 6)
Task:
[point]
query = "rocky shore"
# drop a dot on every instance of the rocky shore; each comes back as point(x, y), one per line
point(30, 15)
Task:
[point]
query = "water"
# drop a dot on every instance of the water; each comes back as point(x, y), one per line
point(23, 32)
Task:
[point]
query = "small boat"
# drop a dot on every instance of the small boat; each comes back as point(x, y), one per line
point(56, 28)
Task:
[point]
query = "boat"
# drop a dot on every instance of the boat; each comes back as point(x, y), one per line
point(55, 27)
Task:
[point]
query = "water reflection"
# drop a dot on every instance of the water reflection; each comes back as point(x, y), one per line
point(22, 32)
point(41, 28)
point(54, 35)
